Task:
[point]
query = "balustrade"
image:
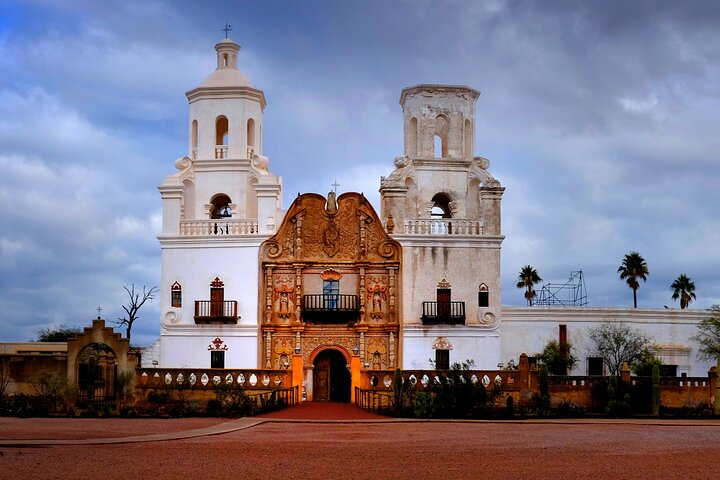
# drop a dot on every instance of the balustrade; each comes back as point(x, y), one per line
point(208, 378)
point(443, 226)
point(201, 228)
point(221, 151)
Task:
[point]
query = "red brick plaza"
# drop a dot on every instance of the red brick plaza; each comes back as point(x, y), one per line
point(340, 441)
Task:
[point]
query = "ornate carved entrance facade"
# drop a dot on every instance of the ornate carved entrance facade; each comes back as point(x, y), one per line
point(331, 278)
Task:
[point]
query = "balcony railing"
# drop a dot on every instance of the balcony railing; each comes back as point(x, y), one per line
point(207, 311)
point(330, 308)
point(443, 226)
point(449, 313)
point(201, 228)
point(221, 151)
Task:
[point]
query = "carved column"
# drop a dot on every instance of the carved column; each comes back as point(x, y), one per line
point(362, 347)
point(298, 294)
point(362, 294)
point(428, 209)
point(268, 294)
point(391, 294)
point(268, 349)
point(391, 359)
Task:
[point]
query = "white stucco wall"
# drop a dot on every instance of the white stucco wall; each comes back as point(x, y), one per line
point(188, 347)
point(528, 329)
point(468, 343)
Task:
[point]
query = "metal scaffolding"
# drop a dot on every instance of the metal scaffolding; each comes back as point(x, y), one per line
point(569, 294)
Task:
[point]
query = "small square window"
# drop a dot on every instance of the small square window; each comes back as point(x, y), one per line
point(483, 299)
point(595, 366)
point(217, 359)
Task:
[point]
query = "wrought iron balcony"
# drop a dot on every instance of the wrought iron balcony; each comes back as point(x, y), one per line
point(448, 313)
point(330, 308)
point(208, 311)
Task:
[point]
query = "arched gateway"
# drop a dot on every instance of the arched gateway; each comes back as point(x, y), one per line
point(330, 286)
point(331, 377)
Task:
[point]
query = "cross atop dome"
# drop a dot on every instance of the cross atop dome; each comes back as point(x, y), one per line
point(226, 29)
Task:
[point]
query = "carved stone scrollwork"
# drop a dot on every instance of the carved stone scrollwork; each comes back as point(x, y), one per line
point(273, 249)
point(182, 163)
point(260, 163)
point(386, 249)
point(172, 316)
point(331, 238)
point(486, 319)
point(442, 343)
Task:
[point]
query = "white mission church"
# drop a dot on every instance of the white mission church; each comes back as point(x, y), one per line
point(247, 284)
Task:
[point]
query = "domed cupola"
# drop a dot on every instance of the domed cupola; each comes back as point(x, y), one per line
point(226, 111)
point(226, 74)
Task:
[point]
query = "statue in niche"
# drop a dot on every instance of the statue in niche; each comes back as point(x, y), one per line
point(378, 352)
point(376, 302)
point(283, 300)
point(376, 297)
point(331, 207)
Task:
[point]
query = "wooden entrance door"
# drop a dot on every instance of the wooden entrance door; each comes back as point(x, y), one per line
point(321, 379)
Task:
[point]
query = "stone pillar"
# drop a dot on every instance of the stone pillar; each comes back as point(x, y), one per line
point(355, 375)
point(490, 205)
point(297, 372)
point(715, 386)
point(625, 372)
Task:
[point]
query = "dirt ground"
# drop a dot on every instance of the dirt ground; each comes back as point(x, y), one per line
point(371, 450)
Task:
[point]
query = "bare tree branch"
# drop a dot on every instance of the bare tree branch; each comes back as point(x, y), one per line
point(136, 299)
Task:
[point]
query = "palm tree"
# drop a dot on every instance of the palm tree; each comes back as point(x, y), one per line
point(633, 267)
point(684, 289)
point(527, 278)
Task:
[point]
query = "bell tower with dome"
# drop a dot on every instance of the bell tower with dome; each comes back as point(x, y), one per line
point(218, 208)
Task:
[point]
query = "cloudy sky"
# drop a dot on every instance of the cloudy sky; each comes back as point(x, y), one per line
point(600, 118)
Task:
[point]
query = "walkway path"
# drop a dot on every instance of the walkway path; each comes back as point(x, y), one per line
point(305, 412)
point(324, 411)
point(336, 413)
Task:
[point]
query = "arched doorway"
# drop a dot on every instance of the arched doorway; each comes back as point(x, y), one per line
point(97, 370)
point(331, 378)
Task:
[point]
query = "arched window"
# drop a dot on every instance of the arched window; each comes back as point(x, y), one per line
point(437, 146)
point(441, 206)
point(176, 295)
point(220, 207)
point(483, 296)
point(194, 138)
point(251, 136)
point(221, 130)
point(440, 137)
point(221, 137)
point(412, 137)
